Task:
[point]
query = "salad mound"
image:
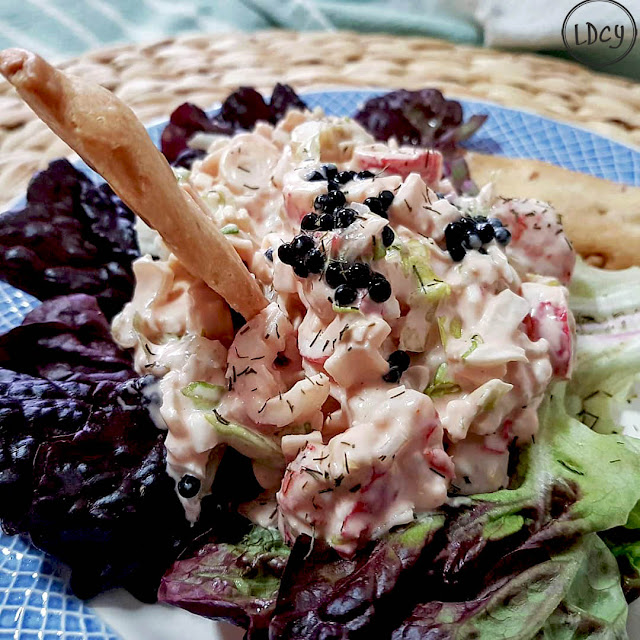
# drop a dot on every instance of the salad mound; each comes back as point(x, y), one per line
point(415, 438)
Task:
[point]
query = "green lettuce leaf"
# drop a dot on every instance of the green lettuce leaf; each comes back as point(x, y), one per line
point(606, 305)
point(544, 573)
point(594, 605)
point(574, 594)
point(624, 543)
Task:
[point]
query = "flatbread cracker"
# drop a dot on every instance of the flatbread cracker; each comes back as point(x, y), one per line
point(602, 218)
point(111, 139)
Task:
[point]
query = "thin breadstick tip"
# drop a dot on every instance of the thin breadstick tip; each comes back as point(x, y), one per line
point(13, 61)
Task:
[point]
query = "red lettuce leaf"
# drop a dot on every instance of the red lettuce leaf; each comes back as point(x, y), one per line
point(240, 111)
point(71, 237)
point(102, 501)
point(186, 120)
point(67, 338)
point(82, 465)
point(235, 581)
point(32, 411)
point(424, 118)
point(324, 596)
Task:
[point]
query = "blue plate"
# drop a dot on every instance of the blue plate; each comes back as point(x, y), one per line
point(35, 603)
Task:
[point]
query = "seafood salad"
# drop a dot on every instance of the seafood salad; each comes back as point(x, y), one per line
point(409, 337)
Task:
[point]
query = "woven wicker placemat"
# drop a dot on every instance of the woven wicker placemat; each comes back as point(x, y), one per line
point(154, 79)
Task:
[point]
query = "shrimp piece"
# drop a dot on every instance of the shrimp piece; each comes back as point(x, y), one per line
point(418, 208)
point(401, 161)
point(248, 162)
point(479, 468)
point(370, 478)
point(299, 194)
point(538, 242)
point(551, 319)
point(262, 368)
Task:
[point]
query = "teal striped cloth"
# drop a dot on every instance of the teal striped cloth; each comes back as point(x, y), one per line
point(60, 29)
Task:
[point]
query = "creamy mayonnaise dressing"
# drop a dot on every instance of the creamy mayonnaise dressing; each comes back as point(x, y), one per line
point(342, 454)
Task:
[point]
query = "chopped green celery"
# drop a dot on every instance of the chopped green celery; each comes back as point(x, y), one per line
point(230, 229)
point(246, 441)
point(204, 395)
point(415, 259)
point(442, 330)
point(379, 250)
point(296, 429)
point(455, 329)
point(338, 309)
point(441, 385)
point(455, 326)
point(476, 340)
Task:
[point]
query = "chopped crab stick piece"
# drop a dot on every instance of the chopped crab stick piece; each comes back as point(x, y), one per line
point(110, 138)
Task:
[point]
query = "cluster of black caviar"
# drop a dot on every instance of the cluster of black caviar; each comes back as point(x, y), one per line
point(335, 178)
point(347, 278)
point(330, 213)
point(330, 217)
point(189, 486)
point(399, 362)
point(473, 233)
point(301, 254)
point(380, 204)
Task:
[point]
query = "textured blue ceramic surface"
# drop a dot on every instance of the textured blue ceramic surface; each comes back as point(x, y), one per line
point(35, 603)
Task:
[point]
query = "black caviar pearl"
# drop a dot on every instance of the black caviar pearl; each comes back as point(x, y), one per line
point(457, 252)
point(286, 253)
point(335, 199)
point(189, 486)
point(485, 231)
point(332, 185)
point(345, 176)
point(503, 236)
point(386, 198)
point(363, 175)
point(358, 275)
point(388, 236)
point(455, 234)
point(302, 244)
point(326, 222)
point(472, 241)
point(314, 261)
point(379, 288)
point(314, 176)
point(330, 171)
point(345, 295)
point(309, 222)
point(268, 254)
point(480, 219)
point(393, 375)
point(375, 206)
point(344, 217)
point(495, 222)
point(320, 203)
point(399, 359)
point(334, 275)
point(301, 269)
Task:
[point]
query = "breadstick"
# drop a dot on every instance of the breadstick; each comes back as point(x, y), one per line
point(108, 136)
